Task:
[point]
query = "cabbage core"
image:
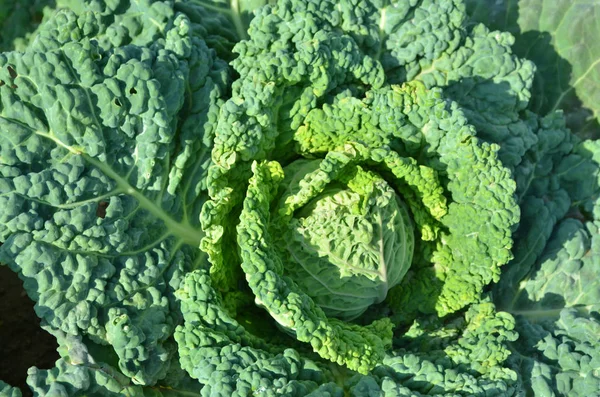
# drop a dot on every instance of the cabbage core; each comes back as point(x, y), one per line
point(349, 244)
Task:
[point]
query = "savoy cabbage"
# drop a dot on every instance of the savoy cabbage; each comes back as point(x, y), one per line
point(305, 198)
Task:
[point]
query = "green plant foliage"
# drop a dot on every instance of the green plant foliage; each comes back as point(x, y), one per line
point(304, 197)
point(560, 38)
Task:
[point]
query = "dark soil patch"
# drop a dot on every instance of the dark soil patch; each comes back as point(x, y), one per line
point(23, 344)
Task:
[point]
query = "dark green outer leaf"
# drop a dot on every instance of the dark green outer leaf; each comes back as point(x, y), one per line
point(561, 38)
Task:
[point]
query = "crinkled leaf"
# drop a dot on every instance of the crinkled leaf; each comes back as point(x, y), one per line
point(103, 155)
point(560, 37)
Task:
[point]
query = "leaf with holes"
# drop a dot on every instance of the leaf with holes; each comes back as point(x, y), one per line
point(103, 163)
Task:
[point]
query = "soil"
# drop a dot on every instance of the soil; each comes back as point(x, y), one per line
point(23, 344)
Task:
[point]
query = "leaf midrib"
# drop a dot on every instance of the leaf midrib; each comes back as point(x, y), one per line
point(183, 230)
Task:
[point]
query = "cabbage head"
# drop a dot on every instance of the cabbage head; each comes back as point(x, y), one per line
point(371, 186)
point(346, 245)
point(343, 198)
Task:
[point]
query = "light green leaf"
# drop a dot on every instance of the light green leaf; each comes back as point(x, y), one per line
point(7, 390)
